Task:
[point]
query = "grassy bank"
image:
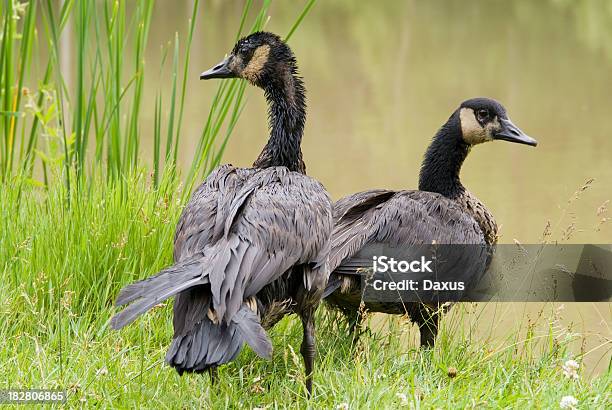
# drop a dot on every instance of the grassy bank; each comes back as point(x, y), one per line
point(63, 266)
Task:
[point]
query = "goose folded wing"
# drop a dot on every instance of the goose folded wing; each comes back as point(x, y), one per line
point(407, 219)
point(275, 221)
point(355, 219)
point(203, 218)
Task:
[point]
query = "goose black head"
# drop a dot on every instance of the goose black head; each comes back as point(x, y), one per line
point(484, 119)
point(258, 58)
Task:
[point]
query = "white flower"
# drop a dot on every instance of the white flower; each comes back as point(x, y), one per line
point(19, 9)
point(403, 399)
point(30, 104)
point(570, 369)
point(568, 402)
point(342, 406)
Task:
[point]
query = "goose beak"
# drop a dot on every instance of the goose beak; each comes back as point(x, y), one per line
point(512, 133)
point(221, 70)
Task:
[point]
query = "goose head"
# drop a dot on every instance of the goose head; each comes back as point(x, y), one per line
point(484, 119)
point(260, 58)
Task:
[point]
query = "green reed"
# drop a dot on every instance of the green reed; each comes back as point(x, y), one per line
point(89, 121)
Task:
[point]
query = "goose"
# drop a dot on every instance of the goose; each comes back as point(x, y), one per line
point(442, 211)
point(252, 244)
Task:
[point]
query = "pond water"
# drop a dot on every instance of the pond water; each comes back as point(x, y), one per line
point(382, 78)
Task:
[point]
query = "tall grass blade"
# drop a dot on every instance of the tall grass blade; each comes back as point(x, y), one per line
point(300, 18)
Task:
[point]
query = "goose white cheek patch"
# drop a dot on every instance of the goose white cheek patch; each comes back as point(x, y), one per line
point(473, 133)
point(257, 62)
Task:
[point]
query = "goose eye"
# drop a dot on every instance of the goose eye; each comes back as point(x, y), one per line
point(243, 47)
point(483, 115)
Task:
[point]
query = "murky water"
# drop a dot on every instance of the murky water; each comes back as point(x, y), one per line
point(383, 76)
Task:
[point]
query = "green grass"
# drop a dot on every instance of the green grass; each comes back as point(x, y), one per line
point(62, 268)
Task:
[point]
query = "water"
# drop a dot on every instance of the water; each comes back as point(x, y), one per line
point(382, 77)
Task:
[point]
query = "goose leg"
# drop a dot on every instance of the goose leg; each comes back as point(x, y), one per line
point(214, 375)
point(354, 321)
point(428, 326)
point(308, 346)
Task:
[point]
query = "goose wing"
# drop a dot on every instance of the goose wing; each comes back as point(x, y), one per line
point(378, 220)
point(355, 219)
point(242, 230)
point(268, 221)
point(281, 219)
point(203, 219)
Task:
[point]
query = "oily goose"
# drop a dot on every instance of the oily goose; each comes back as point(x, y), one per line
point(442, 211)
point(252, 244)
